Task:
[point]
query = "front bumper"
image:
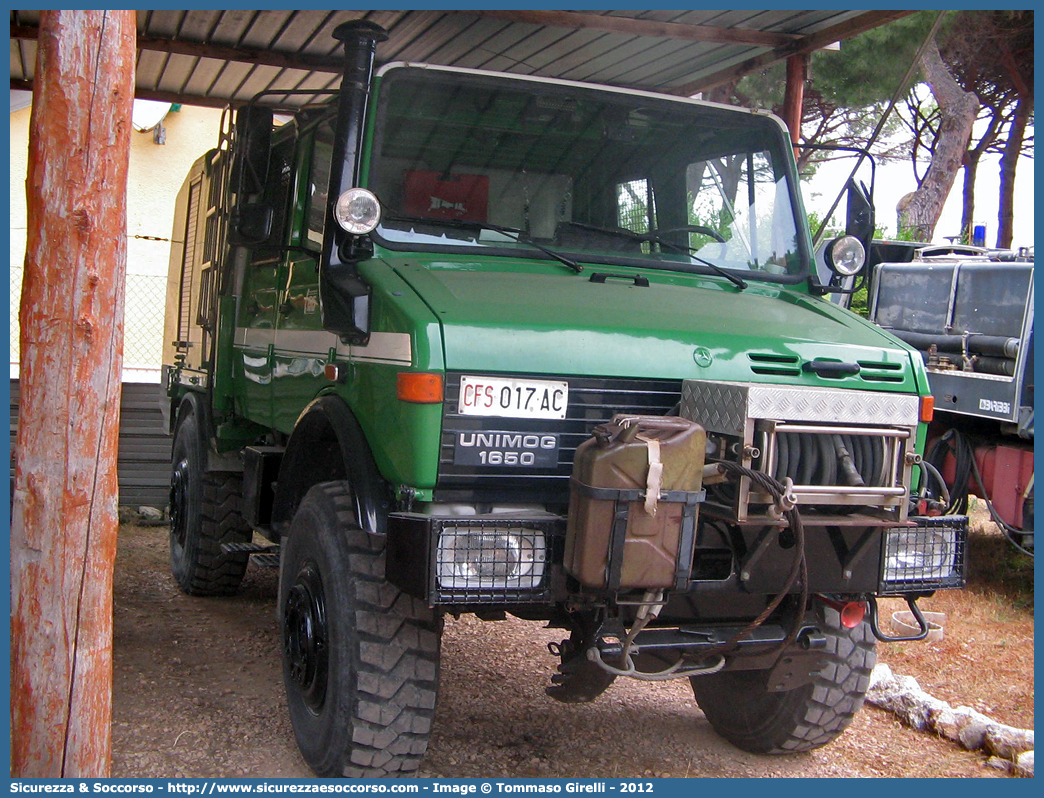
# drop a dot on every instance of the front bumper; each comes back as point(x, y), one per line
point(505, 560)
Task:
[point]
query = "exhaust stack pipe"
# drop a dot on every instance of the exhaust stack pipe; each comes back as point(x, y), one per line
point(345, 299)
point(360, 38)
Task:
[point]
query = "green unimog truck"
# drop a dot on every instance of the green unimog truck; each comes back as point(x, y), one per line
point(449, 341)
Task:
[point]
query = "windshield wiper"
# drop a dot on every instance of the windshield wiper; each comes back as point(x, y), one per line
point(623, 232)
point(739, 282)
point(512, 232)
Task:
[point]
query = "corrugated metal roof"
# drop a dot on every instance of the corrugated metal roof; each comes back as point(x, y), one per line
point(220, 57)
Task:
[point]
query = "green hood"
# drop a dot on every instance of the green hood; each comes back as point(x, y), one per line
point(527, 317)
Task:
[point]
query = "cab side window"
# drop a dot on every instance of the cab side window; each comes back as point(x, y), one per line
point(319, 182)
point(277, 187)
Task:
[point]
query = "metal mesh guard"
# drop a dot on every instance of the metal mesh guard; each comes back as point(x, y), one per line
point(491, 560)
point(929, 556)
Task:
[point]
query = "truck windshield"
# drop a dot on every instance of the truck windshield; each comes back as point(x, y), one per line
point(595, 175)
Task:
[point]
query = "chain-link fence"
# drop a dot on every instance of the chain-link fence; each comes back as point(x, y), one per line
point(143, 319)
point(16, 295)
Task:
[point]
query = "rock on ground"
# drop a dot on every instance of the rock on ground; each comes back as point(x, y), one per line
point(903, 696)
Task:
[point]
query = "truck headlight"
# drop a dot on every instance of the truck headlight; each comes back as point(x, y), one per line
point(498, 558)
point(357, 211)
point(924, 557)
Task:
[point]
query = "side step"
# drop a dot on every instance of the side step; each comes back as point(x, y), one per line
point(265, 556)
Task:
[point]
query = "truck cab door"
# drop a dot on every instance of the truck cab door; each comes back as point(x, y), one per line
point(257, 313)
point(301, 344)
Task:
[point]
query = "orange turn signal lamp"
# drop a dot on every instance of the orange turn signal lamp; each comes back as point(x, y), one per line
point(419, 387)
point(927, 408)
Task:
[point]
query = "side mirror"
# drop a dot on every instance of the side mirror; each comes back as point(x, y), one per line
point(251, 223)
point(345, 302)
point(253, 149)
point(252, 219)
point(859, 218)
point(343, 296)
point(846, 256)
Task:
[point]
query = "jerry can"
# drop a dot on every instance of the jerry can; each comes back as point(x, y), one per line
point(634, 498)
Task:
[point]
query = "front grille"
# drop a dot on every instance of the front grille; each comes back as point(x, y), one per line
point(873, 371)
point(771, 364)
point(592, 401)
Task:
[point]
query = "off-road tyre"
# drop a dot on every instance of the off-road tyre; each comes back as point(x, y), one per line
point(204, 515)
point(360, 657)
point(741, 709)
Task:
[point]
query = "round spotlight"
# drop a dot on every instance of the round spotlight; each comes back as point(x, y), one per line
point(846, 255)
point(357, 211)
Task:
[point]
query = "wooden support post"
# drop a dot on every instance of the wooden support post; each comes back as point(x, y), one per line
point(64, 520)
point(794, 97)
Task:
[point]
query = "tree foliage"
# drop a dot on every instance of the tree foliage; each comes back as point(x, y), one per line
point(991, 54)
point(919, 211)
point(988, 54)
point(848, 90)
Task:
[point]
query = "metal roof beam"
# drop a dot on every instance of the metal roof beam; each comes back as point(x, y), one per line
point(152, 94)
point(806, 44)
point(642, 27)
point(777, 46)
point(273, 58)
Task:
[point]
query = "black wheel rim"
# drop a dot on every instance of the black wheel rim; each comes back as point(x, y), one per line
point(178, 499)
point(305, 637)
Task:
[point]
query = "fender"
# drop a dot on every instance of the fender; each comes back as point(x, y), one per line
point(327, 444)
point(197, 404)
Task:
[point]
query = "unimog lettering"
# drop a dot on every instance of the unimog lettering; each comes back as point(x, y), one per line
point(488, 402)
point(506, 449)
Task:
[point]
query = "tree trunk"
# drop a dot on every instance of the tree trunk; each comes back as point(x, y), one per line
point(64, 521)
point(919, 211)
point(971, 170)
point(1009, 160)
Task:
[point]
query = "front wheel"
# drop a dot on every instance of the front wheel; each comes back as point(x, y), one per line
point(204, 515)
point(360, 657)
point(740, 707)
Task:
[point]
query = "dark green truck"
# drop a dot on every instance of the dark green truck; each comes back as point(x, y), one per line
point(397, 314)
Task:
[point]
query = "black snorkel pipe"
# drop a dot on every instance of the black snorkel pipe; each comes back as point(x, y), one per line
point(344, 298)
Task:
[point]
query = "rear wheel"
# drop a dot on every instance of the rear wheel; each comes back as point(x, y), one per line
point(360, 657)
point(204, 515)
point(740, 707)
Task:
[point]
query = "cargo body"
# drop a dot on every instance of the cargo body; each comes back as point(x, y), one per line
point(465, 342)
point(970, 314)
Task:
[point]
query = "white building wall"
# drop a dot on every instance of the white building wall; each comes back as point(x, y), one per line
point(156, 174)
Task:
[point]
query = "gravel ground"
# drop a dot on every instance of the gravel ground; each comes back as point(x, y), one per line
point(198, 693)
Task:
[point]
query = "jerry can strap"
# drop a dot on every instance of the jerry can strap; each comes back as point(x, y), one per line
point(686, 497)
point(622, 499)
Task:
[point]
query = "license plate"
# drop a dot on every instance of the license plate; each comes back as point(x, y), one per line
point(509, 398)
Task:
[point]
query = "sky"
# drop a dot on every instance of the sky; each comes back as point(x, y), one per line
point(895, 180)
